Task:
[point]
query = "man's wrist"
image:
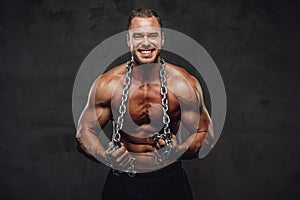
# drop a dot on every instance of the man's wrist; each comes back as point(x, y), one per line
point(181, 148)
point(99, 154)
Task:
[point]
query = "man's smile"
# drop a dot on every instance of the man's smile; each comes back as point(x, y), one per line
point(146, 52)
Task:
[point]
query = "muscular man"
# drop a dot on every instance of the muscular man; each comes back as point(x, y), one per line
point(153, 98)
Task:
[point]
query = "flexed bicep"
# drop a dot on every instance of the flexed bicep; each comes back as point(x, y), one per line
point(196, 120)
point(94, 117)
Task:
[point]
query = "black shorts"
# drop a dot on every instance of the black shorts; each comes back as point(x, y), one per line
point(169, 183)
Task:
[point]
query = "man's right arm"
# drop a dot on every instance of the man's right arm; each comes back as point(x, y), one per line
point(94, 117)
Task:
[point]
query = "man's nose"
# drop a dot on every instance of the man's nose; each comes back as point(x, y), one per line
point(146, 41)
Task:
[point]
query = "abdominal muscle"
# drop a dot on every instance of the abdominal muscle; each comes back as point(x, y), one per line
point(143, 151)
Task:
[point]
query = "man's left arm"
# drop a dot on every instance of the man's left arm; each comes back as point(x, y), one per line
point(197, 121)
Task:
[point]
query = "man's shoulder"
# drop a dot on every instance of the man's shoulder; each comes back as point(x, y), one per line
point(116, 71)
point(184, 85)
point(104, 86)
point(111, 76)
point(180, 76)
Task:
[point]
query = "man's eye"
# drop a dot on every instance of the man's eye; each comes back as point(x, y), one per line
point(137, 36)
point(153, 36)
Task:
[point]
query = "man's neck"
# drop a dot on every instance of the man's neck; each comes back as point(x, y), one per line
point(148, 72)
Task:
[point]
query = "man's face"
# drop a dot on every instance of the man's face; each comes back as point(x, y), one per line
point(145, 39)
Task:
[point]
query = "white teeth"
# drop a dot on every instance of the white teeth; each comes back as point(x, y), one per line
point(146, 52)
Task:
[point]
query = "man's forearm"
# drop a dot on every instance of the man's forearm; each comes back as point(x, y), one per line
point(90, 144)
point(192, 145)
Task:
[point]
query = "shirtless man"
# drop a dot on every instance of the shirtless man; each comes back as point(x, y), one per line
point(149, 124)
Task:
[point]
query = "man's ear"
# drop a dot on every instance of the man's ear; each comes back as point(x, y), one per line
point(162, 38)
point(128, 40)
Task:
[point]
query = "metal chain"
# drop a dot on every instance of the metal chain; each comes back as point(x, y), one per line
point(119, 125)
point(166, 135)
point(122, 108)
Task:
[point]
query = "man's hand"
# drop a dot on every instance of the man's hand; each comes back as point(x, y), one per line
point(177, 149)
point(120, 157)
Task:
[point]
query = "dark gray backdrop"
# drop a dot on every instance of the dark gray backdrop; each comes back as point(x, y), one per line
point(254, 44)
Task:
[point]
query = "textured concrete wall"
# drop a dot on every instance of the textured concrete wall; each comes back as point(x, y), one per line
point(254, 44)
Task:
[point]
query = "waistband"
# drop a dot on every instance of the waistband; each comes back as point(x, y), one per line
point(170, 168)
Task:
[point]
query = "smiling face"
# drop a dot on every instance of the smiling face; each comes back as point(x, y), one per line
point(145, 39)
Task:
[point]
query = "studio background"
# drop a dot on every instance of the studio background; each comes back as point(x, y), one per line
point(255, 45)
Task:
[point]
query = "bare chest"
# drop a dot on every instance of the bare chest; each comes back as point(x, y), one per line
point(144, 107)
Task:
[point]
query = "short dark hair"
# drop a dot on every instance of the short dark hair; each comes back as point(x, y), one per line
point(143, 12)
